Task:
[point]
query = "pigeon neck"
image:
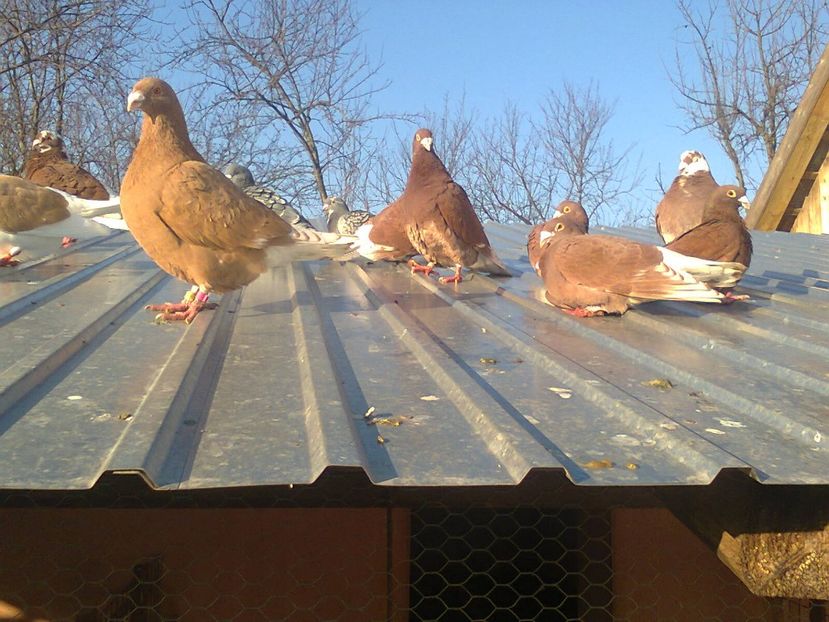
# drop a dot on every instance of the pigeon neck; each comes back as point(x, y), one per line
point(426, 164)
point(169, 129)
point(332, 219)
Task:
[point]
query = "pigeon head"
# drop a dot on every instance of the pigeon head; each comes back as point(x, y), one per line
point(573, 213)
point(729, 198)
point(560, 227)
point(238, 174)
point(154, 96)
point(334, 205)
point(422, 139)
point(47, 140)
point(691, 162)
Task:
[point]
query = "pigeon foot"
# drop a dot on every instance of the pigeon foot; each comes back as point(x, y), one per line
point(178, 311)
point(730, 297)
point(455, 278)
point(582, 312)
point(186, 310)
point(8, 260)
point(416, 267)
point(67, 241)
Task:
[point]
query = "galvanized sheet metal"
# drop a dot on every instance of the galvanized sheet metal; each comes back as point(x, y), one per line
point(471, 385)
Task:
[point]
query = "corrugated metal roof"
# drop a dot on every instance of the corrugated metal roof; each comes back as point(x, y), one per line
point(483, 382)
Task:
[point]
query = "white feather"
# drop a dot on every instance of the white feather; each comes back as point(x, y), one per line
point(712, 273)
point(309, 244)
point(89, 208)
point(365, 247)
point(697, 164)
point(46, 240)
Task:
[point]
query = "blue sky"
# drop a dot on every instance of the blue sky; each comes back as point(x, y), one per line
point(493, 51)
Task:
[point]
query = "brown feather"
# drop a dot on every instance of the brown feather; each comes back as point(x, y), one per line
point(189, 218)
point(54, 169)
point(608, 273)
point(442, 224)
point(680, 210)
point(25, 205)
point(389, 229)
point(570, 212)
point(722, 234)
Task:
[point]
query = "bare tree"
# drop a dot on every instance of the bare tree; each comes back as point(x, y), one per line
point(64, 69)
point(293, 72)
point(515, 180)
point(593, 172)
point(741, 67)
point(515, 169)
point(453, 126)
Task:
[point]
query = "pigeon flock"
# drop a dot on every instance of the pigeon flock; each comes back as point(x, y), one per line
point(219, 230)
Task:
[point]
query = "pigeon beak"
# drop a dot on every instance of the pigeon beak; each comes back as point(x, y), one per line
point(543, 236)
point(427, 143)
point(135, 101)
point(745, 202)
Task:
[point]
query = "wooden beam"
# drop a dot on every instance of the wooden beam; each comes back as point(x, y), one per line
point(810, 219)
point(775, 539)
point(805, 132)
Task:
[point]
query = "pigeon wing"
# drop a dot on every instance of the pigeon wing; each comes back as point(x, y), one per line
point(202, 207)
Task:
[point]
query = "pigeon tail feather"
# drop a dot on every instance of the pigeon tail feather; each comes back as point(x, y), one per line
point(309, 244)
point(712, 273)
point(368, 249)
point(90, 208)
point(490, 263)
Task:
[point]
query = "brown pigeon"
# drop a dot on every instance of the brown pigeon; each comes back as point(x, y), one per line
point(681, 208)
point(588, 275)
point(579, 219)
point(48, 165)
point(38, 220)
point(433, 217)
point(722, 235)
point(194, 222)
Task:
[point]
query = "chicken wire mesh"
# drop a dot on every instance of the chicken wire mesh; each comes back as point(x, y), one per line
point(223, 557)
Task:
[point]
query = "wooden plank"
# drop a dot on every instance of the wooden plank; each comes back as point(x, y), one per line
point(824, 207)
point(775, 541)
point(804, 134)
point(821, 208)
point(811, 219)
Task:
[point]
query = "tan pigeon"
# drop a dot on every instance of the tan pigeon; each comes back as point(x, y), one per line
point(194, 222)
point(37, 221)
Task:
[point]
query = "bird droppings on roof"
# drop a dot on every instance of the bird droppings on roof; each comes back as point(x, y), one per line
point(272, 387)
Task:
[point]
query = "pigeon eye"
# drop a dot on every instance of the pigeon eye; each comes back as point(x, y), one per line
point(157, 90)
point(559, 226)
point(566, 210)
point(732, 194)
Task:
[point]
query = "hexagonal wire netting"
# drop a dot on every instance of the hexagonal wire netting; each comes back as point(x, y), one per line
point(429, 562)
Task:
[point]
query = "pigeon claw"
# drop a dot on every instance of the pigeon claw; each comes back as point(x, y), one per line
point(67, 241)
point(455, 278)
point(180, 311)
point(416, 267)
point(730, 297)
point(8, 260)
point(582, 312)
